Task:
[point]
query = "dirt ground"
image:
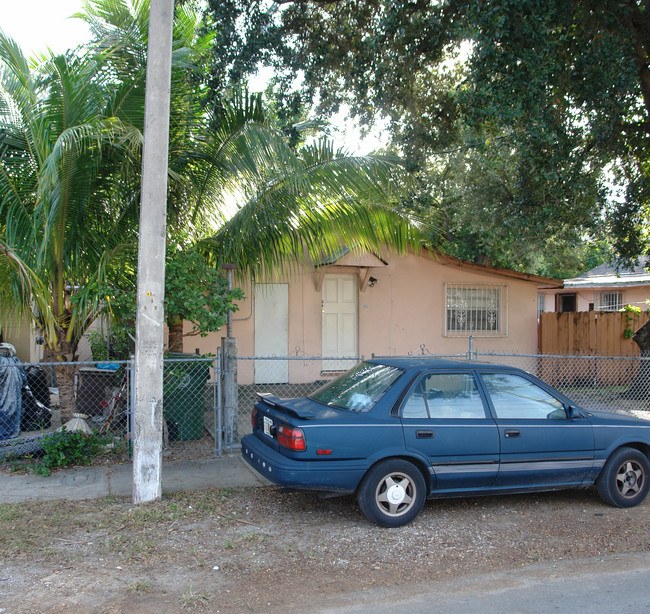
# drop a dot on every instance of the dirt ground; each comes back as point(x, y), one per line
point(264, 550)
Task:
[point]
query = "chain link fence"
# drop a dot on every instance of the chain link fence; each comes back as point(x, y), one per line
point(98, 397)
point(199, 423)
point(608, 383)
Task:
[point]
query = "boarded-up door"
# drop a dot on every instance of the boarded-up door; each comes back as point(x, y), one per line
point(271, 333)
point(340, 319)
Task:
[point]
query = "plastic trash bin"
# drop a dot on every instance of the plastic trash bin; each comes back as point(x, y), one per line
point(184, 379)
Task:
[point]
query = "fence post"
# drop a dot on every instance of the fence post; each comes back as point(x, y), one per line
point(218, 403)
point(130, 367)
point(229, 387)
point(470, 352)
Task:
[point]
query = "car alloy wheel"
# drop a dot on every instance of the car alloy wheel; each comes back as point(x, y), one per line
point(630, 479)
point(392, 493)
point(395, 494)
point(624, 479)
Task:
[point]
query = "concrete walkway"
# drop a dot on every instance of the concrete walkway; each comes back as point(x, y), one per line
point(117, 480)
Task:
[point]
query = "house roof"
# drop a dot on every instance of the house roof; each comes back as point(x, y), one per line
point(347, 258)
point(542, 282)
point(611, 274)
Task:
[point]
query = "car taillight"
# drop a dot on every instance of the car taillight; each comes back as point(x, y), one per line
point(291, 438)
point(253, 417)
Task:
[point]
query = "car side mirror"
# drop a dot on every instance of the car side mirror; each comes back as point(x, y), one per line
point(573, 413)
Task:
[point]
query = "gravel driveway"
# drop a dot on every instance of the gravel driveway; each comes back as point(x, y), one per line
point(263, 550)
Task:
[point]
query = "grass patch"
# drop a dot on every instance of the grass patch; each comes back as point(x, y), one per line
point(142, 549)
point(193, 600)
point(114, 521)
point(141, 587)
point(10, 512)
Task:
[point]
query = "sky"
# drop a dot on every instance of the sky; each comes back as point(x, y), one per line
point(39, 24)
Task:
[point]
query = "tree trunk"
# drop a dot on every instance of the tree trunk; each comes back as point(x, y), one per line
point(175, 343)
point(65, 378)
point(640, 389)
point(65, 374)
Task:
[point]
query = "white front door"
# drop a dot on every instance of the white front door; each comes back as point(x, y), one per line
point(340, 321)
point(271, 333)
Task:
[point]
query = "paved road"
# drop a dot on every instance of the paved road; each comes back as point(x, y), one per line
point(612, 585)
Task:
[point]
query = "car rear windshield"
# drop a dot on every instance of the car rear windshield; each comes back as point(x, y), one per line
point(359, 389)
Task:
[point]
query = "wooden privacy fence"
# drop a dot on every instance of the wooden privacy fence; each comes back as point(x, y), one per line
point(588, 333)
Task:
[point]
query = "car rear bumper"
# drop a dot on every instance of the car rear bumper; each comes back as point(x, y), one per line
point(325, 475)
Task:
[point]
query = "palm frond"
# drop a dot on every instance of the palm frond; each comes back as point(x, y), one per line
point(21, 289)
point(311, 206)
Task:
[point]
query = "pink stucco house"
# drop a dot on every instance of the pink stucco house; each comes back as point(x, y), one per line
point(360, 304)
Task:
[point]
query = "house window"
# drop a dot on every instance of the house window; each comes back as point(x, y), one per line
point(566, 303)
point(541, 303)
point(476, 310)
point(610, 301)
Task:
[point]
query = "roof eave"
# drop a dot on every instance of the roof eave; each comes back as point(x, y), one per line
point(543, 282)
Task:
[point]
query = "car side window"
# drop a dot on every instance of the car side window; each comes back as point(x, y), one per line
point(444, 395)
point(516, 397)
point(416, 405)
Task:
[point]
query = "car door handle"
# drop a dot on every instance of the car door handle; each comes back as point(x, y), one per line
point(425, 434)
point(512, 433)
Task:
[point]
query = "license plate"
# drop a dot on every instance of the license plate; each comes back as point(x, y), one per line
point(268, 423)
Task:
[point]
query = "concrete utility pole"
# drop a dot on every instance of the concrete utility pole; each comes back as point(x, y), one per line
point(147, 432)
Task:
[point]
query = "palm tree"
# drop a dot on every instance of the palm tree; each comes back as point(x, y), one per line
point(60, 220)
point(271, 205)
point(228, 159)
point(70, 138)
point(274, 206)
point(70, 133)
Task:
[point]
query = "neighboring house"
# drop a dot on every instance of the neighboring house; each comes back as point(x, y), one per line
point(29, 345)
point(362, 304)
point(605, 288)
point(19, 332)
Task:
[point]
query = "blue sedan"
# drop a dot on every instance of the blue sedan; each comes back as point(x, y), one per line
point(399, 431)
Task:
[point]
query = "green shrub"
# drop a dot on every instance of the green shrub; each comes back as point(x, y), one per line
point(63, 448)
point(117, 345)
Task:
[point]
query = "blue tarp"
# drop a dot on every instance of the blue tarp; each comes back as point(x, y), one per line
point(12, 380)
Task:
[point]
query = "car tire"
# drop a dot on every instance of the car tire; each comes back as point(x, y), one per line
point(392, 493)
point(623, 481)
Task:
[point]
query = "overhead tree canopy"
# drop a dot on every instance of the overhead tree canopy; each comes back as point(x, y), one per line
point(557, 91)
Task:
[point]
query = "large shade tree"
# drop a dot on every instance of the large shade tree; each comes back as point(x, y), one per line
point(557, 91)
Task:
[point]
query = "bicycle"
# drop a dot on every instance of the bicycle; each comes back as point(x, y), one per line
point(116, 408)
